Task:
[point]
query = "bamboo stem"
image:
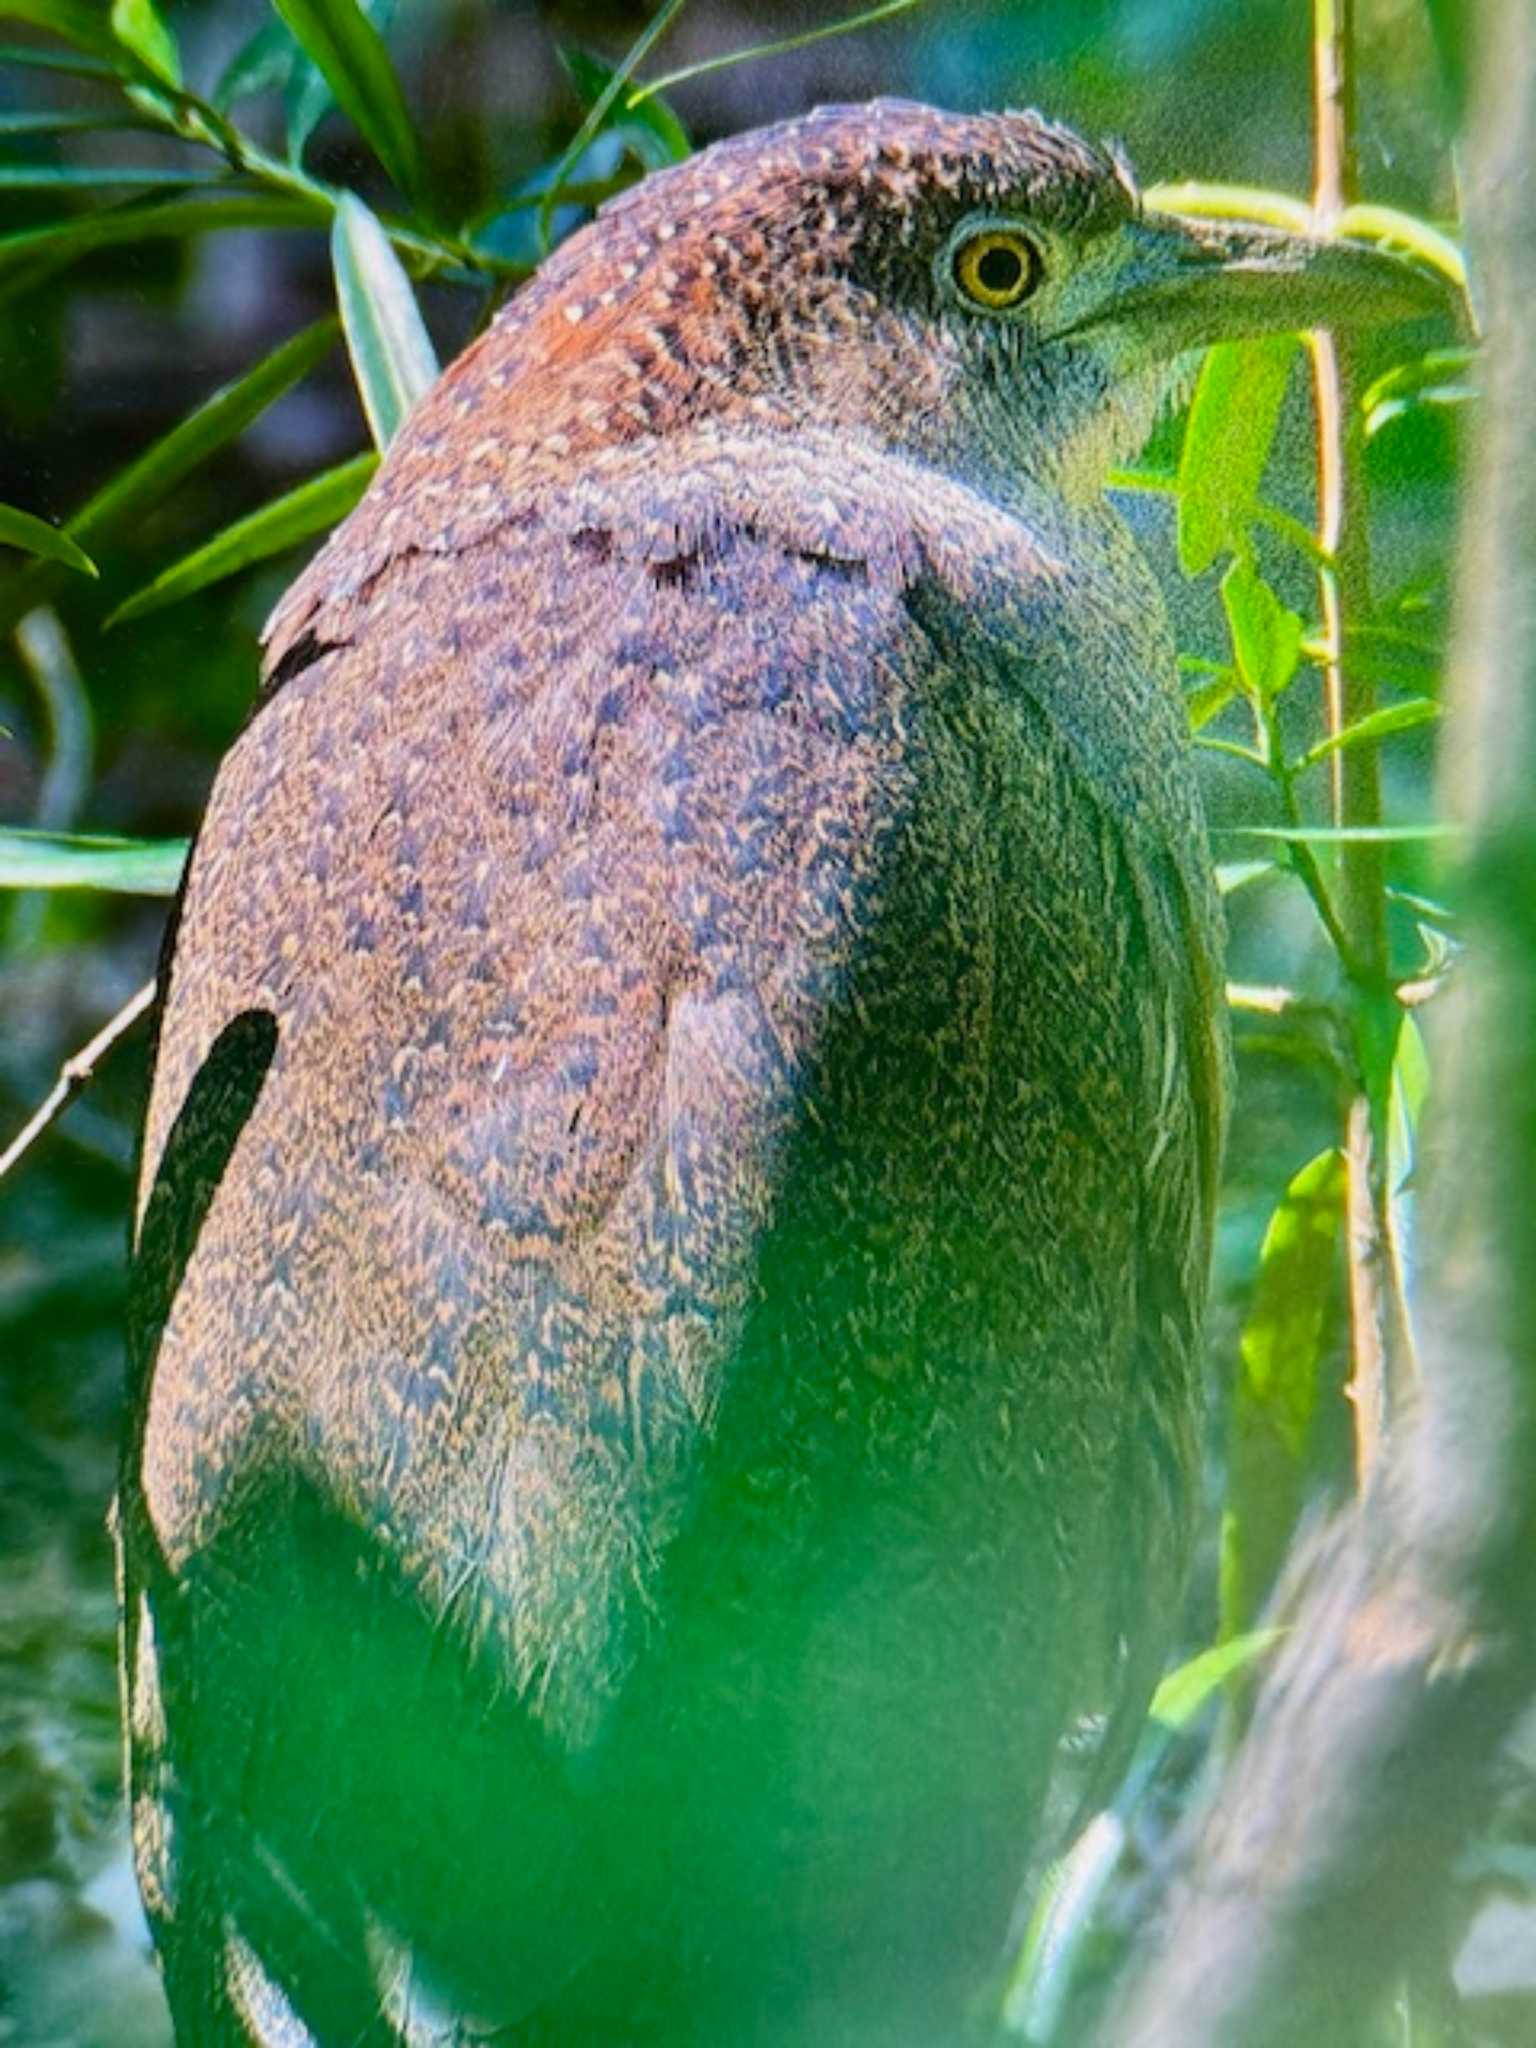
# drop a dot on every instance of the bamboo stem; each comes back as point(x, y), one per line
point(1379, 1341)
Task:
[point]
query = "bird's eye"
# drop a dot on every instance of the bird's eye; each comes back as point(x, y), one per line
point(996, 268)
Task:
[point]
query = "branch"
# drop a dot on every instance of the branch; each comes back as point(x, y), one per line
point(75, 1074)
point(1320, 1873)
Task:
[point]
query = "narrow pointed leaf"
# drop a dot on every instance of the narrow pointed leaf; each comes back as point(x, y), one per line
point(1376, 726)
point(1283, 1344)
point(352, 54)
point(1266, 636)
point(649, 128)
point(87, 27)
point(298, 515)
point(215, 423)
point(138, 26)
point(36, 537)
point(1231, 428)
point(264, 61)
point(98, 177)
point(62, 241)
point(392, 354)
point(77, 860)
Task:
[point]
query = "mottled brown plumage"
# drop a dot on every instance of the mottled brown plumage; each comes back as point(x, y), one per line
point(679, 1179)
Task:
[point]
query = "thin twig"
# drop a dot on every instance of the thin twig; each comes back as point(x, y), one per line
point(75, 1074)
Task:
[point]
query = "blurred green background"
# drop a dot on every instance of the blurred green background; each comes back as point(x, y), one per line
point(120, 731)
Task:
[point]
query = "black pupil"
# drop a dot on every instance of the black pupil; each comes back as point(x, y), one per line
point(1001, 269)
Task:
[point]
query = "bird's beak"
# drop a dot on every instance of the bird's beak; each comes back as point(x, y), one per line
point(1190, 282)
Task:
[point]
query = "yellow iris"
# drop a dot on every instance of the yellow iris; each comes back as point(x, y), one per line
point(997, 268)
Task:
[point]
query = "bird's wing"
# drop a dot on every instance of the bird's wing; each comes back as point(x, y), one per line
point(546, 853)
point(1130, 750)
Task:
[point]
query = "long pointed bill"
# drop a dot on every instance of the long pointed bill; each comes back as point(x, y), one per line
point(1191, 282)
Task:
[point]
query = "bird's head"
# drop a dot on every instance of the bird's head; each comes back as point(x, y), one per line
point(984, 292)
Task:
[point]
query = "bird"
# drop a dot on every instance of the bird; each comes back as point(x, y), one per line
point(678, 1184)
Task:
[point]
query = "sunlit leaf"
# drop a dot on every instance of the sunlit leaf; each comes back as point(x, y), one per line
point(138, 26)
point(36, 537)
point(74, 860)
point(1346, 835)
point(392, 355)
point(1227, 439)
point(1070, 1891)
point(1440, 378)
point(1376, 725)
point(298, 515)
point(1210, 697)
point(1233, 875)
point(1185, 1691)
point(1266, 635)
point(1284, 1341)
point(352, 54)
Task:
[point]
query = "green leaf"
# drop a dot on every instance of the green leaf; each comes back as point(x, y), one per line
point(1347, 835)
point(178, 218)
point(298, 515)
point(1282, 1348)
point(76, 860)
point(1227, 439)
point(1072, 1887)
point(50, 121)
point(138, 27)
point(1233, 875)
point(307, 95)
point(1409, 1091)
point(649, 129)
point(263, 62)
point(215, 423)
point(98, 177)
point(87, 27)
point(1266, 636)
point(351, 53)
point(1375, 726)
point(1185, 1690)
point(37, 537)
point(1440, 378)
point(392, 355)
point(1210, 697)
point(850, 23)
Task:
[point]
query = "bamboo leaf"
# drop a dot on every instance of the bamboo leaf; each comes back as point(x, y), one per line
point(352, 55)
point(138, 26)
point(264, 61)
point(36, 537)
point(1376, 726)
point(298, 515)
point(1347, 835)
point(1231, 428)
point(88, 28)
point(1266, 636)
point(392, 355)
point(178, 218)
point(648, 127)
point(1072, 1887)
point(97, 177)
point(74, 860)
point(850, 23)
point(1283, 1344)
point(215, 423)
